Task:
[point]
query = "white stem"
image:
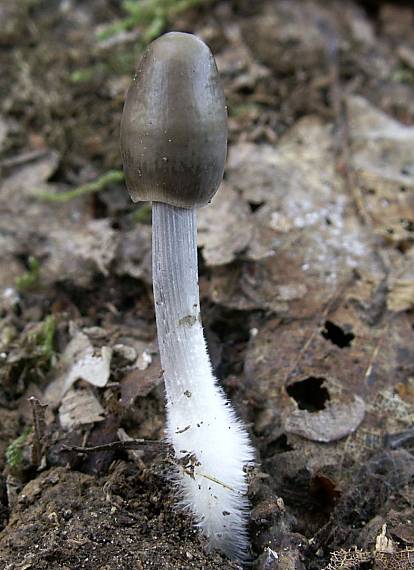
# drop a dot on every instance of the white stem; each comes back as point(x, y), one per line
point(201, 424)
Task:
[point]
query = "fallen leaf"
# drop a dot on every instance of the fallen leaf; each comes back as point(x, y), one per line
point(305, 242)
point(139, 382)
point(79, 407)
point(78, 253)
point(68, 244)
point(286, 36)
point(134, 254)
point(337, 420)
point(401, 284)
point(80, 361)
point(224, 228)
point(383, 161)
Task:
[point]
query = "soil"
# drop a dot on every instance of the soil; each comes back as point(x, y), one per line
point(306, 280)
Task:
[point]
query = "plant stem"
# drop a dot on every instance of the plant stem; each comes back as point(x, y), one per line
point(99, 184)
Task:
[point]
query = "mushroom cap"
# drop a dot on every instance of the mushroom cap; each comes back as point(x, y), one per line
point(174, 124)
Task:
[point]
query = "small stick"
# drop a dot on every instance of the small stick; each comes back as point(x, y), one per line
point(115, 445)
point(39, 426)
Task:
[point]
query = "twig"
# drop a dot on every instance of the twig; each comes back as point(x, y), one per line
point(23, 158)
point(374, 355)
point(401, 439)
point(115, 445)
point(39, 425)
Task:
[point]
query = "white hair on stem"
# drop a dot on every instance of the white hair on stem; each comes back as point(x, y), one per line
point(210, 444)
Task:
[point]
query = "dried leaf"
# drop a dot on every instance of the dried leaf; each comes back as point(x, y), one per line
point(337, 420)
point(402, 560)
point(134, 256)
point(382, 158)
point(19, 187)
point(78, 253)
point(224, 228)
point(383, 543)
point(140, 381)
point(80, 361)
point(79, 407)
point(286, 36)
point(254, 170)
point(401, 296)
point(401, 285)
point(305, 241)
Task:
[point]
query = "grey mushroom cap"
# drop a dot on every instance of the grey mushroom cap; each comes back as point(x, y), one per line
point(174, 124)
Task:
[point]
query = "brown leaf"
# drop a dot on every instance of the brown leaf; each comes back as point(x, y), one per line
point(224, 228)
point(337, 420)
point(79, 407)
point(139, 383)
point(382, 157)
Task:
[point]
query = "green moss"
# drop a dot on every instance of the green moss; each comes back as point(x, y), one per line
point(30, 356)
point(153, 16)
point(244, 109)
point(99, 184)
point(14, 452)
point(41, 344)
point(46, 337)
point(84, 75)
point(403, 75)
point(30, 277)
point(143, 214)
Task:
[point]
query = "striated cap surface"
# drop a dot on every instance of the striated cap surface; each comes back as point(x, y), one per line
point(174, 124)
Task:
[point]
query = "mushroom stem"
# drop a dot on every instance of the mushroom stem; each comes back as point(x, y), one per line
point(211, 446)
point(176, 296)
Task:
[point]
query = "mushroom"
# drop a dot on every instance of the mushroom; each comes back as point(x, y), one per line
point(173, 144)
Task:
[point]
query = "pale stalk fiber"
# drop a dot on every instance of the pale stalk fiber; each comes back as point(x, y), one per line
point(201, 423)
